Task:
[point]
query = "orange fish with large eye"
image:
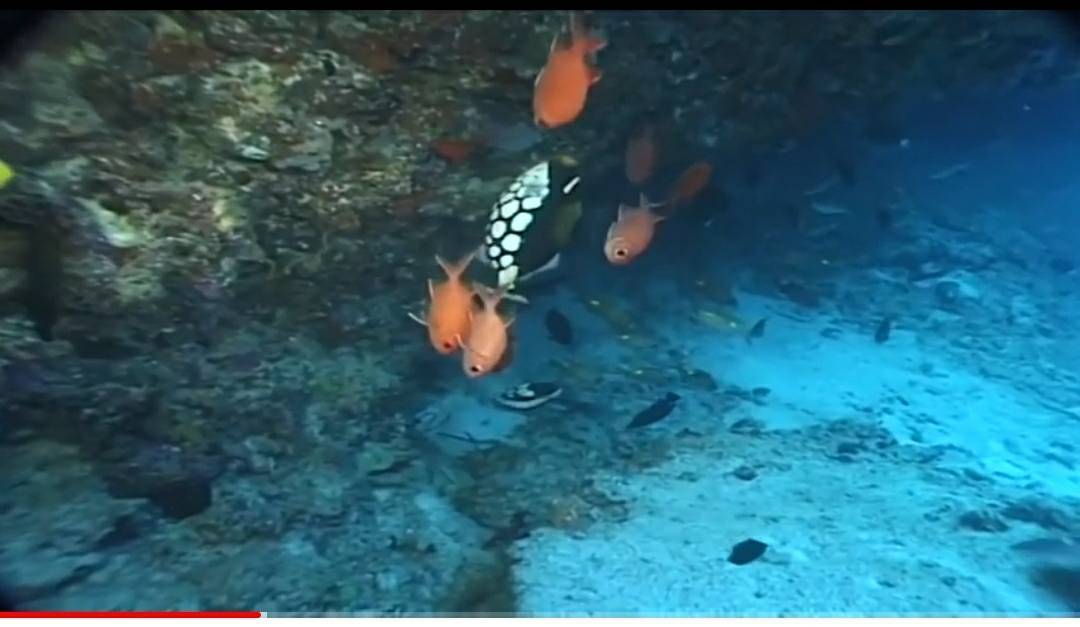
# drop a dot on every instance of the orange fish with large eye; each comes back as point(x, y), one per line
point(450, 310)
point(562, 86)
point(633, 229)
point(487, 348)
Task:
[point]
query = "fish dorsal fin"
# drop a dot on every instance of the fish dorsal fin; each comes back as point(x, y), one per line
point(645, 204)
point(555, 44)
point(647, 208)
point(444, 264)
point(610, 230)
point(455, 269)
point(488, 296)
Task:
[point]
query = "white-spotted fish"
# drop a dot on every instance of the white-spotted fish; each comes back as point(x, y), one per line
point(532, 222)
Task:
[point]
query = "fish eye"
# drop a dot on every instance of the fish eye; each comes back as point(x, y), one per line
point(474, 369)
point(447, 345)
point(620, 252)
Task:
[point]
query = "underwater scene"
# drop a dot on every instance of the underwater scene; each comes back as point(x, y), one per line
point(541, 313)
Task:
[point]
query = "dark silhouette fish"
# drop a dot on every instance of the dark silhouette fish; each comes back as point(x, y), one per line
point(747, 551)
point(44, 271)
point(655, 412)
point(558, 327)
point(884, 329)
point(757, 331)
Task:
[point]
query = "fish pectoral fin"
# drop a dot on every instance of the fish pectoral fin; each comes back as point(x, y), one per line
point(595, 75)
point(431, 289)
point(552, 264)
point(417, 318)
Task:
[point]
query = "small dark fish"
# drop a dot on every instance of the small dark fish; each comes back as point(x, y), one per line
point(746, 551)
point(558, 327)
point(757, 331)
point(45, 270)
point(655, 412)
point(884, 329)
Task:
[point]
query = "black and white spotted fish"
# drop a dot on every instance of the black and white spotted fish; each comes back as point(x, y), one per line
point(529, 395)
point(532, 222)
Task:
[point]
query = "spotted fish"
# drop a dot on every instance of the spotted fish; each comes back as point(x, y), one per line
point(532, 222)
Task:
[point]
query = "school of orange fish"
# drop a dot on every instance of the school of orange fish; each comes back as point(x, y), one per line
point(453, 320)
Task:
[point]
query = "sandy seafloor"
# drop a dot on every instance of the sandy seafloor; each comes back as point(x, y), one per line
point(982, 395)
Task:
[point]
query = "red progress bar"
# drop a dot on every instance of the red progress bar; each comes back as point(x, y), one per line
point(130, 615)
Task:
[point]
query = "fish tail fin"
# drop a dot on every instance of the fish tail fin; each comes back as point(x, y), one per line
point(517, 298)
point(589, 42)
point(456, 268)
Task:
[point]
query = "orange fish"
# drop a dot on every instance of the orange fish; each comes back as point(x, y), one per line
point(450, 310)
point(454, 150)
point(631, 232)
point(633, 229)
point(690, 183)
point(562, 85)
point(641, 157)
point(486, 349)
